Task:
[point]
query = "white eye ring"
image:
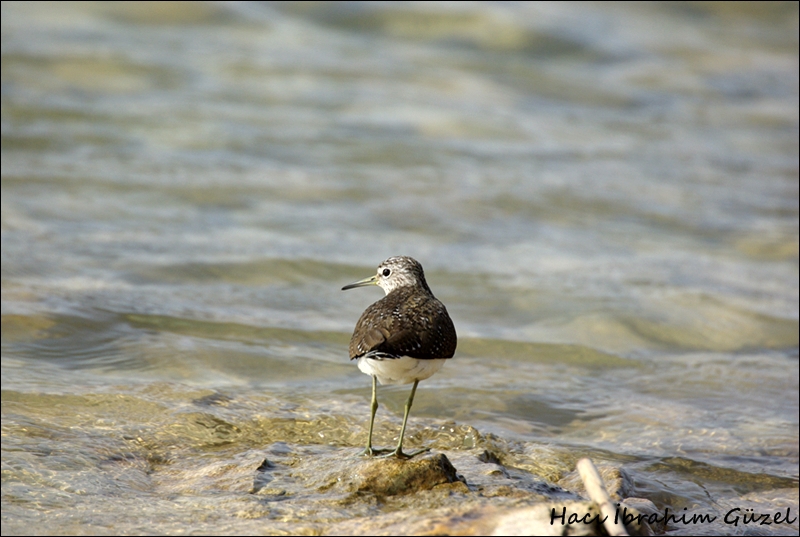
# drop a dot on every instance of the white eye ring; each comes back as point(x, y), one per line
point(386, 272)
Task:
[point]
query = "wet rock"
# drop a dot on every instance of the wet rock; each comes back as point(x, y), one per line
point(488, 477)
point(392, 477)
point(489, 457)
point(262, 476)
point(325, 489)
point(214, 399)
point(478, 519)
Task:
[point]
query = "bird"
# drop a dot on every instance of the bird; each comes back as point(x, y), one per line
point(404, 337)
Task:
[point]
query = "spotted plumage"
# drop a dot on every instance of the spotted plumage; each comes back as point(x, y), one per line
point(406, 322)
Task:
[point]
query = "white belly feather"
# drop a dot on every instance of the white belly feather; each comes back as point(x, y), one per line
point(403, 370)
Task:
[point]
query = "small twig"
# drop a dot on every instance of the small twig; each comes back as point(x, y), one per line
point(598, 494)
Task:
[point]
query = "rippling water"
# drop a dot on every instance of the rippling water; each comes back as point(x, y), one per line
point(605, 197)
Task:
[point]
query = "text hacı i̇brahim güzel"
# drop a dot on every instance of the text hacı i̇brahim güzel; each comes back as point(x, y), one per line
point(732, 517)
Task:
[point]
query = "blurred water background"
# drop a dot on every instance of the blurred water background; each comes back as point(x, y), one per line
point(605, 196)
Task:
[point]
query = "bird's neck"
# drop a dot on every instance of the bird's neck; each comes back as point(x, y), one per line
point(421, 289)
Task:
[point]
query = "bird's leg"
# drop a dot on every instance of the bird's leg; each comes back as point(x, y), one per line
point(398, 452)
point(369, 452)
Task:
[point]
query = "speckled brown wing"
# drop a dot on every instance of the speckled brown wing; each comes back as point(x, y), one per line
point(371, 331)
point(404, 323)
point(436, 336)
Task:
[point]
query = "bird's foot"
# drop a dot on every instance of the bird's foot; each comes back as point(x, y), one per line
point(370, 452)
point(398, 454)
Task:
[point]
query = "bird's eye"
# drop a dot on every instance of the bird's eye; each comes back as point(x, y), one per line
point(386, 272)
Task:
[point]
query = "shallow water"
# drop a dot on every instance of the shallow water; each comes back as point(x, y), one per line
point(605, 198)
